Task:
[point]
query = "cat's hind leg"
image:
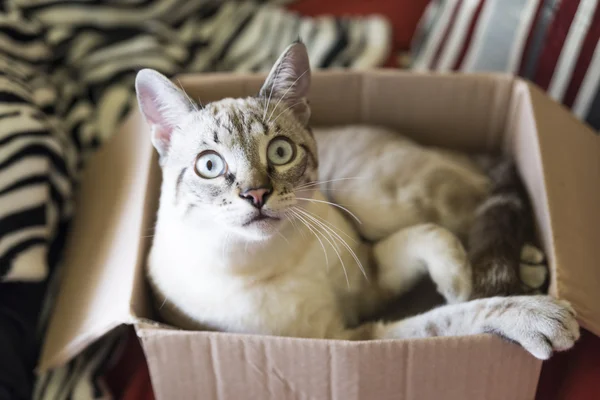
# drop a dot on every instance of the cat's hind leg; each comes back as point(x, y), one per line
point(405, 257)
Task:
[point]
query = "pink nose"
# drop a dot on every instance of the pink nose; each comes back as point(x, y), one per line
point(256, 197)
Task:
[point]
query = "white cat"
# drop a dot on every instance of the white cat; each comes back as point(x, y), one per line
point(245, 242)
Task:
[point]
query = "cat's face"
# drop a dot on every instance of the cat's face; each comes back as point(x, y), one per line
point(236, 162)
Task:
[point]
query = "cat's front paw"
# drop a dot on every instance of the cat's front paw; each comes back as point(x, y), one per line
point(533, 271)
point(541, 324)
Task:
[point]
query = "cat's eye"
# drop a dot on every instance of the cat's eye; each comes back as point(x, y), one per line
point(210, 165)
point(281, 151)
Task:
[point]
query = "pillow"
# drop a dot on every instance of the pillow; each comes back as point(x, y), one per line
point(549, 42)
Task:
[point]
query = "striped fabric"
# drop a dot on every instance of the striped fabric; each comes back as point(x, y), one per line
point(67, 69)
point(553, 43)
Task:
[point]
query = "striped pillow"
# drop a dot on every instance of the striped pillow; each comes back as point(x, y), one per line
point(67, 69)
point(553, 43)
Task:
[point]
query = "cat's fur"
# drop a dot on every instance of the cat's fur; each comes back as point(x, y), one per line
point(390, 182)
point(217, 263)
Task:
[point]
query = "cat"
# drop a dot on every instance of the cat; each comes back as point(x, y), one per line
point(390, 182)
point(245, 242)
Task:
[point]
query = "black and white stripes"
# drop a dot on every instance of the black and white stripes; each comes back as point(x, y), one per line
point(66, 81)
point(67, 70)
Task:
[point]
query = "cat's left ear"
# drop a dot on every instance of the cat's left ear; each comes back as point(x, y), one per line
point(163, 105)
point(289, 81)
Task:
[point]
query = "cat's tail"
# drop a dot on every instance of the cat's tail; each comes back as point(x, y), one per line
point(499, 236)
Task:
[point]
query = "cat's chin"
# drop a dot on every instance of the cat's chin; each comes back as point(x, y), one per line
point(260, 229)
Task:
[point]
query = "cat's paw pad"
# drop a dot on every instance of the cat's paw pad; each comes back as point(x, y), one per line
point(530, 254)
point(533, 276)
point(532, 272)
point(542, 325)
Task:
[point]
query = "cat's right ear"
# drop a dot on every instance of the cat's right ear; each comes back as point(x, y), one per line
point(163, 105)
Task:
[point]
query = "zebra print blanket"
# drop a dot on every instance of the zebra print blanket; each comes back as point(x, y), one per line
point(67, 69)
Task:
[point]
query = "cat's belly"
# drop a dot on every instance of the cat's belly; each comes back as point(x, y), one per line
point(391, 182)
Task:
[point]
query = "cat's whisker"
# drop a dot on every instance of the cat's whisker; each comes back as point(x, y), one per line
point(323, 220)
point(333, 204)
point(326, 190)
point(163, 304)
point(283, 236)
point(194, 106)
point(310, 228)
point(279, 115)
point(315, 183)
point(286, 92)
point(287, 215)
point(314, 230)
point(339, 238)
point(270, 93)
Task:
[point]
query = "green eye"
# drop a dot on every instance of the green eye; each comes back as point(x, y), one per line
point(281, 151)
point(210, 164)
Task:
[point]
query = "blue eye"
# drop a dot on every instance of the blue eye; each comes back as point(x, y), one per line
point(281, 151)
point(210, 165)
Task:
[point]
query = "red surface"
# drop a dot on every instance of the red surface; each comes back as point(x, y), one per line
point(554, 42)
point(573, 375)
point(129, 379)
point(404, 16)
point(584, 60)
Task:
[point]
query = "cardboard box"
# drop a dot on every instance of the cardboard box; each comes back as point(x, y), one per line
point(104, 286)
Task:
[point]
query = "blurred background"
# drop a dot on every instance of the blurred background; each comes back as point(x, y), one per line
point(66, 82)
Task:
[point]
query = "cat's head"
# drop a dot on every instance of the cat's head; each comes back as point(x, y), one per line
point(234, 163)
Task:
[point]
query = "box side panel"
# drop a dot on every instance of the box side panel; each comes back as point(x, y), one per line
point(456, 111)
point(206, 366)
point(560, 162)
point(141, 305)
point(103, 245)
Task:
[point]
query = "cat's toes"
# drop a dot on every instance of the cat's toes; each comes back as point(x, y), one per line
point(547, 326)
point(532, 272)
point(533, 276)
point(531, 255)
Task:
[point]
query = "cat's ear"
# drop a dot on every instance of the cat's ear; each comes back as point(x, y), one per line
point(289, 81)
point(163, 105)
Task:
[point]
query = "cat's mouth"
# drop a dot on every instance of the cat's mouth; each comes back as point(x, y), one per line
point(260, 217)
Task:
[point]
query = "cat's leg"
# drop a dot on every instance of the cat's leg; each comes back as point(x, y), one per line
point(406, 256)
point(533, 271)
point(540, 324)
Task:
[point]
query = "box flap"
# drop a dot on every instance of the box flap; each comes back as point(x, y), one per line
point(105, 241)
point(203, 365)
point(466, 112)
point(567, 154)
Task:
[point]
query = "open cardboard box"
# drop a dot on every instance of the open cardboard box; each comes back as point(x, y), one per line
point(104, 285)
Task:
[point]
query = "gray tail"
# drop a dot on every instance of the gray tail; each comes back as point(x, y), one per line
point(503, 224)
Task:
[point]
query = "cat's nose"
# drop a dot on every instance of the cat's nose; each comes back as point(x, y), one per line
point(256, 197)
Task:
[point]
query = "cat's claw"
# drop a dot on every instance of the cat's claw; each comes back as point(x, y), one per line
point(541, 324)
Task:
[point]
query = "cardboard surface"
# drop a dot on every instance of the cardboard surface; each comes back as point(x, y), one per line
point(558, 158)
point(228, 366)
